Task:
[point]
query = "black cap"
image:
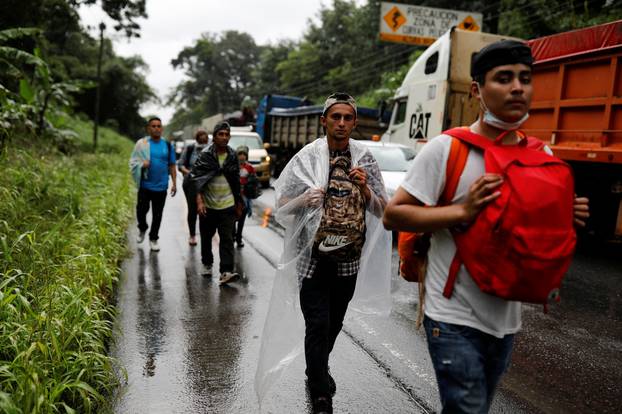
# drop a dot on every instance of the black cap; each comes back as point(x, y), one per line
point(221, 125)
point(503, 52)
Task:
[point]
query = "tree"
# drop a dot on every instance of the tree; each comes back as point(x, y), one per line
point(123, 90)
point(124, 12)
point(219, 70)
point(342, 51)
point(71, 55)
point(60, 15)
point(266, 78)
point(536, 18)
point(15, 65)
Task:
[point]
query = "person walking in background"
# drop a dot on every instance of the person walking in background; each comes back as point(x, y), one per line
point(186, 160)
point(151, 163)
point(470, 333)
point(246, 172)
point(216, 177)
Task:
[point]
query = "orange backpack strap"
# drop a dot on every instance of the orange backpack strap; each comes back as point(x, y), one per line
point(455, 166)
point(413, 247)
point(458, 154)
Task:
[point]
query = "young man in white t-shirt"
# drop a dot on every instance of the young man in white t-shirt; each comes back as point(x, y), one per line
point(470, 335)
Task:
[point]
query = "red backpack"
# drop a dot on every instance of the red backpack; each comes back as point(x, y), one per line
point(521, 244)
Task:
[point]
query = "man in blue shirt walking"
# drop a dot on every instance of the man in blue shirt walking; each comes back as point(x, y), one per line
point(156, 160)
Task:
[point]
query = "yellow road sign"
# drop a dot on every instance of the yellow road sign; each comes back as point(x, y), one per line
point(469, 23)
point(418, 25)
point(394, 18)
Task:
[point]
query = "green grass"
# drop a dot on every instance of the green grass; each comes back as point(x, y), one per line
point(62, 234)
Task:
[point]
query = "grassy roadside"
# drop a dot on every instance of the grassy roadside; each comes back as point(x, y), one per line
point(62, 234)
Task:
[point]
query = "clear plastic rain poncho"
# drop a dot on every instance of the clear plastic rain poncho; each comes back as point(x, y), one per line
point(284, 329)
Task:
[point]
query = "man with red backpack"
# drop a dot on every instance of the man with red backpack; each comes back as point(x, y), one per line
point(470, 325)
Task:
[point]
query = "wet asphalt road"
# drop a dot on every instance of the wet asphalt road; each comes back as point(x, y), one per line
point(191, 346)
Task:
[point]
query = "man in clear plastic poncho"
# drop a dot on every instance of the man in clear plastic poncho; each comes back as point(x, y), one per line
point(330, 198)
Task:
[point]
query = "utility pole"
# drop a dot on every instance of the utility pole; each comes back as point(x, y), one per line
point(102, 27)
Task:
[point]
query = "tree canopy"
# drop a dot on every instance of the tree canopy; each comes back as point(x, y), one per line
point(220, 73)
point(71, 54)
point(341, 50)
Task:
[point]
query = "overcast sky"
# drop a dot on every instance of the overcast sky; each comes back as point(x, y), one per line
point(174, 24)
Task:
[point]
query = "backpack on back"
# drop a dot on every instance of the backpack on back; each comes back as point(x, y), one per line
point(521, 244)
point(189, 151)
point(341, 233)
point(251, 188)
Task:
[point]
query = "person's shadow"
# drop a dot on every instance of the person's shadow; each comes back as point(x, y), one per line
point(151, 325)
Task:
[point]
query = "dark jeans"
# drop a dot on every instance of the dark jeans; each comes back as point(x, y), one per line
point(468, 364)
point(191, 200)
point(157, 200)
point(223, 221)
point(324, 300)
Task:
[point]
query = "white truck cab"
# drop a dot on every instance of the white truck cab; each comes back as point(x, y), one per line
point(434, 95)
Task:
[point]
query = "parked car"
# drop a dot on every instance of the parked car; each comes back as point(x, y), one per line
point(394, 160)
point(258, 156)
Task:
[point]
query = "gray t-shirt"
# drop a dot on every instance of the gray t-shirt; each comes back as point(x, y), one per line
point(468, 305)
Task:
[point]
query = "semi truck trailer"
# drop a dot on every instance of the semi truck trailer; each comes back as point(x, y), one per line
point(576, 106)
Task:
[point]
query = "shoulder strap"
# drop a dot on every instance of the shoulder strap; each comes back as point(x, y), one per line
point(456, 162)
point(464, 134)
point(458, 153)
point(535, 143)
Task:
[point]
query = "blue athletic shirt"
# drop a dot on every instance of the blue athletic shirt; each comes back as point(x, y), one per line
point(160, 157)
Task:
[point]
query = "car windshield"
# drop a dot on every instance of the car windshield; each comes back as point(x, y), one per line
point(250, 141)
point(392, 158)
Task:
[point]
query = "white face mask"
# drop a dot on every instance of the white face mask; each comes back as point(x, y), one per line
point(494, 121)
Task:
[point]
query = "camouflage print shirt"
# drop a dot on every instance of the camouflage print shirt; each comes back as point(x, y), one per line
point(307, 263)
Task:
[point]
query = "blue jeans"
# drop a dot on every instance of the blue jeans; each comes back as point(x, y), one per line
point(468, 364)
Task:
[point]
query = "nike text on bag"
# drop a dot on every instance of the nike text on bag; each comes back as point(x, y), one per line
point(341, 234)
point(413, 248)
point(521, 244)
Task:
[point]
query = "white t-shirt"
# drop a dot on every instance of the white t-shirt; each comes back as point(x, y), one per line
point(468, 305)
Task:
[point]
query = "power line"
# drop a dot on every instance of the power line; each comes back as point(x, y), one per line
point(372, 55)
point(359, 66)
point(308, 85)
point(357, 69)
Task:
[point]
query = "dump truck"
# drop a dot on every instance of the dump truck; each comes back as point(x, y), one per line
point(576, 106)
point(287, 129)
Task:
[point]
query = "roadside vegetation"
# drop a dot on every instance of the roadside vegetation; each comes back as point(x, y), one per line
point(64, 206)
point(62, 233)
